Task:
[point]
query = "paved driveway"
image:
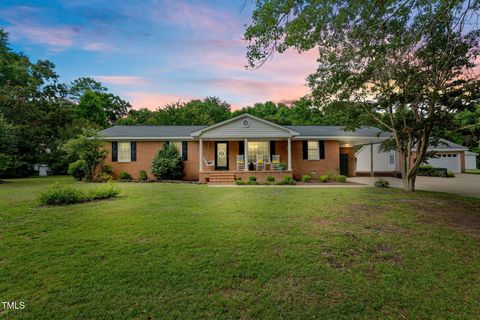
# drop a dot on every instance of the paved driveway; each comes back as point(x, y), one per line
point(467, 184)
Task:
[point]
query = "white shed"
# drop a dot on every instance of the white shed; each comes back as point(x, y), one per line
point(470, 160)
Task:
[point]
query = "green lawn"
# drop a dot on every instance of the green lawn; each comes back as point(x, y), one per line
point(190, 251)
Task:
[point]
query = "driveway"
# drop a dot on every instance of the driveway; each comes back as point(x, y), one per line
point(466, 184)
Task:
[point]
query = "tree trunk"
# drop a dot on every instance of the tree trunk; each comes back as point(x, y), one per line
point(409, 182)
point(408, 173)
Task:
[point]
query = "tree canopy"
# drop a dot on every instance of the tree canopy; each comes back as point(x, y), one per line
point(406, 64)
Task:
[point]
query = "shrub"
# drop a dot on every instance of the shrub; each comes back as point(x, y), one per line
point(239, 182)
point(429, 171)
point(104, 177)
point(252, 179)
point(380, 183)
point(168, 164)
point(57, 194)
point(77, 169)
point(125, 176)
point(450, 174)
point(331, 175)
point(61, 194)
point(287, 180)
point(143, 175)
point(323, 178)
point(108, 190)
point(306, 178)
point(270, 178)
point(341, 178)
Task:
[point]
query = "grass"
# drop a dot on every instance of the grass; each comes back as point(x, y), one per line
point(190, 251)
point(472, 171)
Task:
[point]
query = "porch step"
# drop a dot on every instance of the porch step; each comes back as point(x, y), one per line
point(221, 178)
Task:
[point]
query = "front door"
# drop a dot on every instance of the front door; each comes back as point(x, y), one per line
point(344, 164)
point(221, 155)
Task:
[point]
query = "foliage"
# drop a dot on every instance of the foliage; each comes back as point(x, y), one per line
point(77, 169)
point(168, 164)
point(324, 178)
point(341, 178)
point(240, 182)
point(58, 193)
point(429, 171)
point(143, 175)
point(87, 147)
point(405, 64)
point(331, 174)
point(282, 166)
point(287, 180)
point(125, 176)
point(306, 178)
point(381, 183)
point(252, 178)
point(61, 194)
point(450, 174)
point(270, 178)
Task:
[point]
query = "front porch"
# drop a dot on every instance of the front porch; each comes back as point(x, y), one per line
point(224, 161)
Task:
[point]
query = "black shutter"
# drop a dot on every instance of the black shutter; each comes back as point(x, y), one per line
point(241, 147)
point(305, 149)
point(184, 150)
point(321, 149)
point(272, 149)
point(114, 151)
point(133, 151)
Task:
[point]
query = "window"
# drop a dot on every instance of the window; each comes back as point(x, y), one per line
point(178, 146)
point(391, 159)
point(454, 155)
point(124, 152)
point(313, 150)
point(258, 148)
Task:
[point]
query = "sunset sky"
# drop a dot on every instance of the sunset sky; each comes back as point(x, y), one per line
point(154, 52)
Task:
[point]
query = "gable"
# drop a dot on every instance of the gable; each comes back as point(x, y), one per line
point(245, 126)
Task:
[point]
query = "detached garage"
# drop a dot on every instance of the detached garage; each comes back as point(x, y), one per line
point(450, 161)
point(470, 160)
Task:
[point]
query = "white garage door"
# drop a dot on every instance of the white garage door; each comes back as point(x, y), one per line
point(451, 161)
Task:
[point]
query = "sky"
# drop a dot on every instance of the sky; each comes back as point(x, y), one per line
point(155, 52)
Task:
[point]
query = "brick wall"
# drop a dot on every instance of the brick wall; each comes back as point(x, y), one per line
point(315, 168)
point(146, 151)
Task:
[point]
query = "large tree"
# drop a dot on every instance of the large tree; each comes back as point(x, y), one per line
point(406, 63)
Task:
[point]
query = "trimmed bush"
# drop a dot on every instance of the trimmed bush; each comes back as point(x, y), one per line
point(380, 183)
point(323, 178)
point(331, 175)
point(341, 178)
point(57, 194)
point(306, 178)
point(168, 164)
point(287, 180)
point(77, 169)
point(108, 190)
point(61, 194)
point(125, 176)
point(143, 175)
point(450, 174)
point(252, 179)
point(429, 171)
point(270, 178)
point(240, 182)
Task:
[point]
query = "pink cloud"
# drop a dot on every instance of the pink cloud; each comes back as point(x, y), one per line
point(152, 101)
point(99, 47)
point(57, 38)
point(193, 16)
point(123, 80)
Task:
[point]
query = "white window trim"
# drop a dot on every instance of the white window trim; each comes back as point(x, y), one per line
point(129, 143)
point(318, 150)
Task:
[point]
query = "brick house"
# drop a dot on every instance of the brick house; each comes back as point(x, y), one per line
point(240, 147)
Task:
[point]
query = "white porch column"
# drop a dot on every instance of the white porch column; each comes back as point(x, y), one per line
point(371, 160)
point(200, 155)
point(245, 154)
point(289, 153)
